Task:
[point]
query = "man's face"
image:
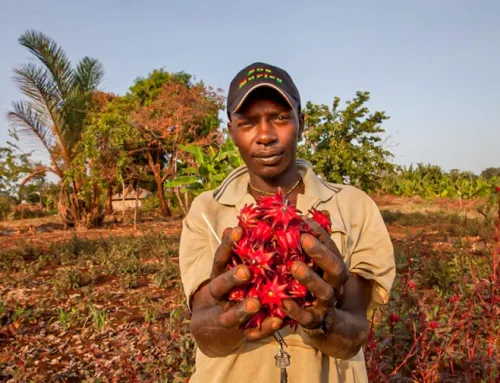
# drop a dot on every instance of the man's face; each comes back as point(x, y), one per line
point(266, 130)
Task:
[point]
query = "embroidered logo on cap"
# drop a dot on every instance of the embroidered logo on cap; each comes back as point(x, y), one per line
point(256, 73)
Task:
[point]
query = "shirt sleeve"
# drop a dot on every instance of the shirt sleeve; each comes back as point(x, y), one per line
point(372, 255)
point(195, 257)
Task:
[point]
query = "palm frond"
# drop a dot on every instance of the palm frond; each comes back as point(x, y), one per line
point(88, 74)
point(34, 83)
point(39, 171)
point(44, 99)
point(52, 57)
point(27, 122)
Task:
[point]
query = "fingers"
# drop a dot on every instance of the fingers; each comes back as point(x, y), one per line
point(225, 250)
point(308, 318)
point(268, 327)
point(240, 313)
point(333, 266)
point(322, 290)
point(324, 237)
point(222, 284)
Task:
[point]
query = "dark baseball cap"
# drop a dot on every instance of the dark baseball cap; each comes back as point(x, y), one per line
point(257, 75)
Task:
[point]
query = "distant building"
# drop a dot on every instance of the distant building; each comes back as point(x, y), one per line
point(130, 197)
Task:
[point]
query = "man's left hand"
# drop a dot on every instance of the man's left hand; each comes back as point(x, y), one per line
point(326, 289)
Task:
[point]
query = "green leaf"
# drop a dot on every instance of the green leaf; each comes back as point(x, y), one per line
point(182, 181)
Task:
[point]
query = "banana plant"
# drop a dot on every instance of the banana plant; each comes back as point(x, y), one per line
point(207, 169)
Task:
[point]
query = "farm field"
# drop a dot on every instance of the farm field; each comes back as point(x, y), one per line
point(106, 305)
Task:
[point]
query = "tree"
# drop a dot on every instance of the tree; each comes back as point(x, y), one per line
point(13, 167)
point(178, 113)
point(58, 98)
point(346, 144)
point(489, 173)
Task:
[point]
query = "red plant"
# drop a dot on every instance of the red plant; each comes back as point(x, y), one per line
point(269, 246)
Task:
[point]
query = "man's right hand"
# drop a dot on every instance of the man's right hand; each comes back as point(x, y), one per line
point(214, 316)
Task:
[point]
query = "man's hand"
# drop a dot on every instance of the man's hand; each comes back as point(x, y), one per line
point(326, 289)
point(216, 320)
point(344, 326)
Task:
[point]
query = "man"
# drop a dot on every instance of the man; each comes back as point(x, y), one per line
point(265, 123)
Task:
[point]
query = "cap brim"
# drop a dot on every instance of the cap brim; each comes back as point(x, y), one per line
point(285, 95)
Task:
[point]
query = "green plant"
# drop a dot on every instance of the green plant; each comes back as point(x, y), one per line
point(168, 272)
point(65, 316)
point(346, 145)
point(98, 316)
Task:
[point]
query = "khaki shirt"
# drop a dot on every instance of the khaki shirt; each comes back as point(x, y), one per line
point(358, 231)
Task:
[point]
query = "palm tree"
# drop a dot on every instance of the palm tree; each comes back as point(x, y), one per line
point(58, 98)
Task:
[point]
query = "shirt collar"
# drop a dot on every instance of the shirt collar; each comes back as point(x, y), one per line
point(234, 189)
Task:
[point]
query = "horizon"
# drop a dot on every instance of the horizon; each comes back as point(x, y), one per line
point(431, 67)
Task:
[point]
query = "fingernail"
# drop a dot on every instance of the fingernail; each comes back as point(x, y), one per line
point(287, 305)
point(235, 234)
point(276, 323)
point(299, 269)
point(307, 241)
point(242, 273)
point(251, 306)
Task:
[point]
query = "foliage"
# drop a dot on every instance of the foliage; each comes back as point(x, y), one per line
point(180, 114)
point(345, 145)
point(95, 327)
point(430, 181)
point(489, 173)
point(207, 168)
point(441, 321)
point(52, 116)
point(13, 167)
point(141, 133)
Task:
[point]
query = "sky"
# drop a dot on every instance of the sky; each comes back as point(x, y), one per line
point(432, 65)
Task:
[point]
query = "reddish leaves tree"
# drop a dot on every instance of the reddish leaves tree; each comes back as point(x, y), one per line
point(179, 115)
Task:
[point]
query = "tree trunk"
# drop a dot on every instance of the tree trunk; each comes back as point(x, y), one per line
point(186, 200)
point(181, 204)
point(123, 201)
point(135, 206)
point(109, 201)
point(165, 211)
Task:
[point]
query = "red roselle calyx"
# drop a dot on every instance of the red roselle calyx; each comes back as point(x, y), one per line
point(269, 246)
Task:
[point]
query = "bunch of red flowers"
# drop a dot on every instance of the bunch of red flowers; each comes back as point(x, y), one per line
point(269, 246)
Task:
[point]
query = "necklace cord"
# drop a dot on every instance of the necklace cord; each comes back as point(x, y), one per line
point(269, 193)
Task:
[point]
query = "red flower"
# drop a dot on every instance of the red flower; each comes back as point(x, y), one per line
point(242, 248)
point(289, 240)
point(267, 202)
point(393, 318)
point(237, 294)
point(281, 214)
point(411, 284)
point(263, 232)
point(277, 312)
point(497, 188)
point(256, 320)
point(272, 293)
point(249, 216)
point(259, 260)
point(433, 325)
point(322, 219)
point(297, 290)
